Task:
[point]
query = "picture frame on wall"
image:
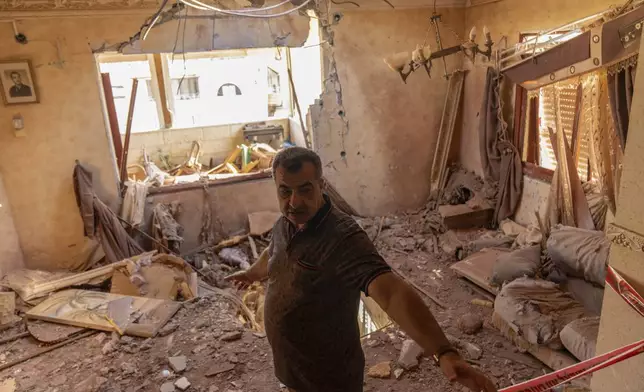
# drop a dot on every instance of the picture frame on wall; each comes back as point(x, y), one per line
point(17, 82)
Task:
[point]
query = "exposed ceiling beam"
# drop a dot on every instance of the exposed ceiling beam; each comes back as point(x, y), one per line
point(395, 4)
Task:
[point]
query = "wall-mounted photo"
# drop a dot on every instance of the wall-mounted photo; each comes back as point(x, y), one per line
point(17, 82)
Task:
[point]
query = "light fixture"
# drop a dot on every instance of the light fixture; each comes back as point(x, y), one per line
point(405, 63)
point(18, 122)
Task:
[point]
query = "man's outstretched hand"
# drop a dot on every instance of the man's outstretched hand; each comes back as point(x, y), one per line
point(241, 279)
point(457, 370)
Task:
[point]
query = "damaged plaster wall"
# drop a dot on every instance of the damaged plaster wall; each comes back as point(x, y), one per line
point(375, 134)
point(510, 18)
point(10, 252)
point(68, 123)
point(229, 205)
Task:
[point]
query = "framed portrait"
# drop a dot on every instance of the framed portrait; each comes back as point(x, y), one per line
point(17, 82)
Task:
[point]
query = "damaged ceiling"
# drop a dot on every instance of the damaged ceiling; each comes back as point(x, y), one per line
point(102, 5)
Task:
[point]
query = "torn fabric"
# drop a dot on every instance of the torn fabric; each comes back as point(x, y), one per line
point(501, 160)
point(100, 222)
point(621, 80)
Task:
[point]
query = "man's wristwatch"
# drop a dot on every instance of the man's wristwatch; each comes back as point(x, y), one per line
point(443, 351)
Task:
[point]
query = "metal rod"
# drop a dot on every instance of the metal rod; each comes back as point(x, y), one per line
point(435, 19)
point(128, 130)
point(536, 46)
point(14, 337)
point(46, 350)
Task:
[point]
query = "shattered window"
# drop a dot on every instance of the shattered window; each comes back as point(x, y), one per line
point(121, 75)
point(566, 92)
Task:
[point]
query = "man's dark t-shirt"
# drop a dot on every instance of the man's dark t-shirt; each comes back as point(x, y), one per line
point(311, 309)
point(20, 91)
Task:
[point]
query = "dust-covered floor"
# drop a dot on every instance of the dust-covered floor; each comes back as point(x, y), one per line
point(222, 356)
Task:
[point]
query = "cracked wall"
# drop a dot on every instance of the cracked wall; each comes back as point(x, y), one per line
point(68, 122)
point(375, 134)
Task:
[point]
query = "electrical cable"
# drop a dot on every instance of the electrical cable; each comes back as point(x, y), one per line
point(270, 7)
point(244, 13)
point(202, 6)
point(345, 2)
point(154, 19)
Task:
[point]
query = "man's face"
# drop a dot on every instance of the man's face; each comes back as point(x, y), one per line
point(299, 193)
point(16, 79)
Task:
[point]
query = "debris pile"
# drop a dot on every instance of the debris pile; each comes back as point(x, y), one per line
point(244, 160)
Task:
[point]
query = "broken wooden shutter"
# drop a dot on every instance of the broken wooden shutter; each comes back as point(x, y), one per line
point(567, 98)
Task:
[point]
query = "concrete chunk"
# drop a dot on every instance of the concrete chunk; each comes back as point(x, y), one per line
point(178, 364)
point(167, 387)
point(182, 383)
point(409, 355)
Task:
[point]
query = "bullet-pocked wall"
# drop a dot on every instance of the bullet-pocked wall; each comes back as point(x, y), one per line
point(68, 123)
point(376, 134)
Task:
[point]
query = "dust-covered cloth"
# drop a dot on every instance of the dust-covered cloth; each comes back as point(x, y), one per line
point(316, 275)
point(100, 222)
point(538, 310)
point(580, 253)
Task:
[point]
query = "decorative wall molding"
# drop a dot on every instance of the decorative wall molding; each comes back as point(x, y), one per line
point(30, 8)
point(81, 5)
point(625, 238)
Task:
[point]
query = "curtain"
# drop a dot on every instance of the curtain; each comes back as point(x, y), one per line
point(620, 92)
point(500, 158)
point(602, 130)
point(100, 222)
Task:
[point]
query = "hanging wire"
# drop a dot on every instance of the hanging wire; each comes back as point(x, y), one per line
point(154, 20)
point(203, 6)
point(176, 37)
point(270, 7)
point(345, 2)
point(183, 54)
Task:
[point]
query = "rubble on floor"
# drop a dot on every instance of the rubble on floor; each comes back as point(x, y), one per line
point(210, 338)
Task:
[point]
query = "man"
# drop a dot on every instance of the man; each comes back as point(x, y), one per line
point(318, 262)
point(18, 89)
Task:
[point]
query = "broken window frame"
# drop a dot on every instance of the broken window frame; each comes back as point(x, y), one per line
point(527, 122)
point(160, 85)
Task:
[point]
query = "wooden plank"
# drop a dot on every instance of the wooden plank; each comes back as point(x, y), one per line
point(575, 143)
point(112, 117)
point(89, 309)
point(128, 130)
point(445, 133)
point(520, 98)
point(38, 288)
point(478, 268)
point(307, 138)
point(532, 155)
point(461, 216)
point(537, 172)
point(158, 69)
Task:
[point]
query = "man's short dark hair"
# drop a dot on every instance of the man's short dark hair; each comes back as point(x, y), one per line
point(14, 73)
point(292, 158)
